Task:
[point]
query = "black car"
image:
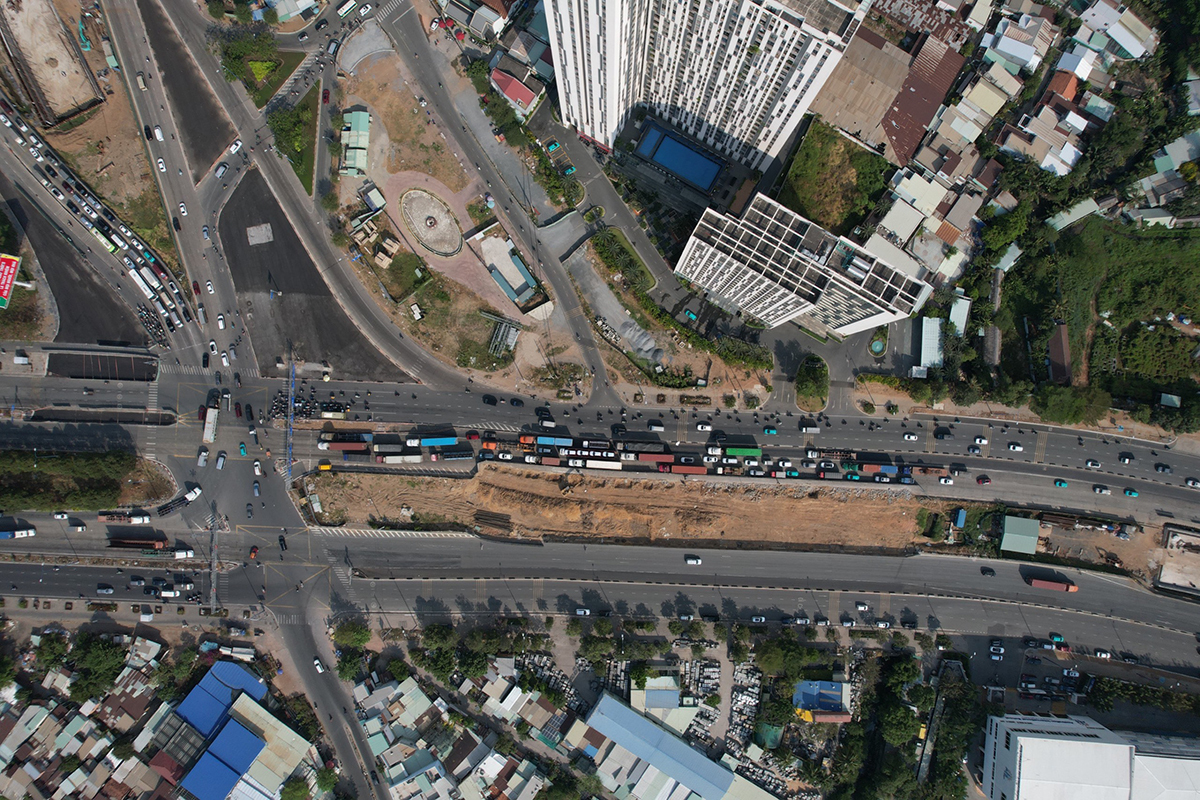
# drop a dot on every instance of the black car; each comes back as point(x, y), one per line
point(237, 379)
point(149, 133)
point(249, 411)
point(150, 591)
point(542, 412)
point(490, 400)
point(282, 543)
point(517, 402)
point(987, 572)
point(74, 209)
point(322, 25)
point(204, 360)
point(1164, 468)
point(175, 222)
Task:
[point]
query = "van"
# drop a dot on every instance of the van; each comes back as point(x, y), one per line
point(221, 168)
point(548, 423)
point(655, 425)
point(141, 81)
point(333, 47)
point(200, 312)
point(169, 591)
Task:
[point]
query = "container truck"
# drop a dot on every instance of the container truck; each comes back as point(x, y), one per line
point(349, 447)
point(19, 533)
point(555, 441)
point(452, 455)
point(643, 447)
point(1056, 585)
point(593, 463)
point(143, 287)
point(431, 441)
point(210, 425)
point(551, 462)
point(138, 544)
point(682, 469)
point(401, 458)
point(809, 429)
point(660, 458)
point(121, 516)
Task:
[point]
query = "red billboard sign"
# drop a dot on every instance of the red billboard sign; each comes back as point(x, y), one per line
point(8, 273)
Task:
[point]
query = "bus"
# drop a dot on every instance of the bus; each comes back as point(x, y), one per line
point(744, 452)
point(346, 7)
point(109, 246)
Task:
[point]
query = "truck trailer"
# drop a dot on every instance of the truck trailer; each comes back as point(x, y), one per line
point(1055, 585)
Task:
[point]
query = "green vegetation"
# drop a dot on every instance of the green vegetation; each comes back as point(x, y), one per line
point(480, 213)
point(1108, 690)
point(52, 650)
point(171, 676)
point(352, 633)
point(295, 131)
point(216, 9)
point(833, 181)
point(145, 215)
point(562, 189)
point(401, 279)
point(326, 779)
point(812, 383)
point(304, 719)
point(444, 650)
point(96, 664)
point(45, 481)
point(1069, 405)
point(294, 789)
point(266, 83)
point(238, 44)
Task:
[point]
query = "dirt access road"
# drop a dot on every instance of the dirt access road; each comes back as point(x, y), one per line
point(647, 509)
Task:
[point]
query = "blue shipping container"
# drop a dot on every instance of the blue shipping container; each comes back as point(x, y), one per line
point(439, 441)
point(546, 440)
point(888, 469)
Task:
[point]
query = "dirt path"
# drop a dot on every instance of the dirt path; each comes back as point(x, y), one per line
point(1081, 375)
point(647, 509)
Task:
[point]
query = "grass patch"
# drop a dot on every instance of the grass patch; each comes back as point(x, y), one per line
point(265, 85)
point(44, 481)
point(480, 213)
point(23, 318)
point(833, 181)
point(144, 214)
point(812, 384)
point(402, 278)
point(295, 132)
point(75, 121)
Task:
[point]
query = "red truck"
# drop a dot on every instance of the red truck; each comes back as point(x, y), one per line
point(1056, 585)
point(682, 469)
point(659, 458)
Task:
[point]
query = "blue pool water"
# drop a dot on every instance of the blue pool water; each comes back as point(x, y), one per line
point(679, 158)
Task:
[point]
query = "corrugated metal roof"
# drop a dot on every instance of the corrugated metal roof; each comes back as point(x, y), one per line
point(236, 746)
point(665, 751)
point(210, 779)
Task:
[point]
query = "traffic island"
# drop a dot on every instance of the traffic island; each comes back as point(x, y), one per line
point(431, 222)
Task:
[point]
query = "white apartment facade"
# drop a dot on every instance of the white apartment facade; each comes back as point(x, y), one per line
point(778, 266)
point(1030, 757)
point(737, 75)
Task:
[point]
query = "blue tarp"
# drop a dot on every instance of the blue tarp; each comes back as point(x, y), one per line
point(818, 696)
point(210, 779)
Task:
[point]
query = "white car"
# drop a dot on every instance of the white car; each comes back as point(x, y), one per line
point(1016, 448)
point(703, 426)
point(257, 467)
point(981, 440)
point(1192, 482)
point(318, 665)
point(504, 455)
point(233, 148)
point(758, 620)
point(785, 463)
point(220, 322)
point(583, 612)
point(224, 358)
point(946, 481)
point(162, 165)
point(1101, 489)
point(212, 346)
point(910, 437)
point(6, 121)
point(37, 154)
point(861, 606)
point(711, 459)
point(1103, 654)
point(182, 210)
point(59, 515)
point(1092, 463)
point(366, 9)
point(208, 285)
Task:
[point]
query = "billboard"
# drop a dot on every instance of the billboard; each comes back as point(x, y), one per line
point(8, 273)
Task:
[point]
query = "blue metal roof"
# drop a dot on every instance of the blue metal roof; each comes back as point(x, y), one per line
point(664, 750)
point(205, 706)
point(236, 746)
point(210, 779)
point(818, 695)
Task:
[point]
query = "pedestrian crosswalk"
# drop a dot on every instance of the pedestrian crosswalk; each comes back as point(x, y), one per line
point(150, 444)
point(390, 7)
point(182, 369)
point(370, 533)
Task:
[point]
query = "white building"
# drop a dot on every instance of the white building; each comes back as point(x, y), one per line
point(1075, 758)
point(778, 266)
point(737, 75)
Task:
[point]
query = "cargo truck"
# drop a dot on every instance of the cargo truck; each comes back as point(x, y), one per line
point(660, 458)
point(121, 516)
point(1055, 585)
point(138, 544)
point(431, 441)
point(642, 447)
point(683, 469)
point(19, 533)
point(399, 458)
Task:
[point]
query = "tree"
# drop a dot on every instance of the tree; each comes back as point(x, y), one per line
point(123, 749)
point(52, 650)
point(326, 779)
point(242, 13)
point(439, 636)
point(350, 664)
point(216, 9)
point(330, 202)
point(1068, 405)
point(922, 696)
point(352, 633)
point(294, 789)
point(639, 673)
point(812, 379)
point(602, 627)
point(574, 628)
point(97, 664)
point(270, 16)
point(898, 725)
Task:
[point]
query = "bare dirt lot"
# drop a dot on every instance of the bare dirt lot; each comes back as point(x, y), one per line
point(414, 146)
point(629, 508)
point(62, 84)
